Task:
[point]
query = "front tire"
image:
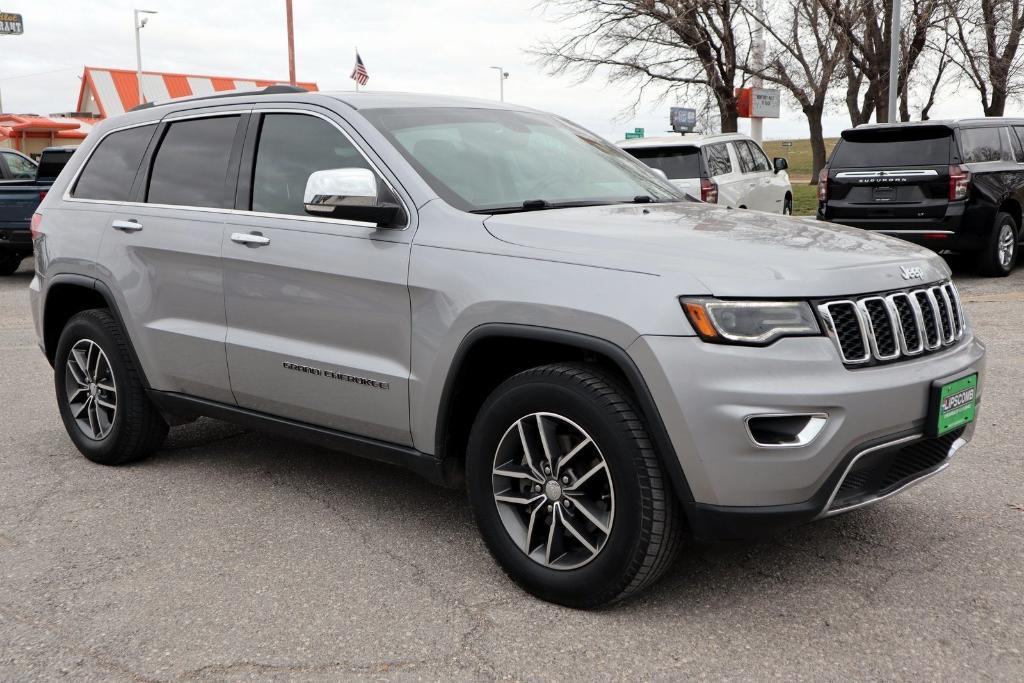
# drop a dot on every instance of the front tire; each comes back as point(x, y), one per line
point(999, 255)
point(10, 261)
point(787, 206)
point(566, 487)
point(99, 392)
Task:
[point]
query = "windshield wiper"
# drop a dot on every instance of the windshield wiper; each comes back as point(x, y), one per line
point(541, 205)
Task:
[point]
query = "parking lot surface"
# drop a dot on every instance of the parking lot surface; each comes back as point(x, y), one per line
point(235, 555)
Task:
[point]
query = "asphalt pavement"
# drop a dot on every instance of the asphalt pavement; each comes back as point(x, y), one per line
point(237, 555)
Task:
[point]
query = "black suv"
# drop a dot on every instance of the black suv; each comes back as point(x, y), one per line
point(947, 185)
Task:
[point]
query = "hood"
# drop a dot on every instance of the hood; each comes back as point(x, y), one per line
point(732, 252)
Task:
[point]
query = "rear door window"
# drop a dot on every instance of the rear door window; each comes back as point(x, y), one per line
point(111, 169)
point(718, 159)
point(983, 144)
point(747, 164)
point(191, 166)
point(886, 148)
point(760, 160)
point(19, 167)
point(675, 161)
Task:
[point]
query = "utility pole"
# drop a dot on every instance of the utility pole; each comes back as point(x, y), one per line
point(139, 24)
point(756, 127)
point(894, 60)
point(291, 43)
point(502, 75)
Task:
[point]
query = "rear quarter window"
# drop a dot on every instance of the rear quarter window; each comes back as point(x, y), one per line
point(676, 162)
point(984, 144)
point(111, 169)
point(885, 148)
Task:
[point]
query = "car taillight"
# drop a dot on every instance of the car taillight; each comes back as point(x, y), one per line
point(708, 191)
point(959, 183)
point(37, 221)
point(823, 185)
point(42, 195)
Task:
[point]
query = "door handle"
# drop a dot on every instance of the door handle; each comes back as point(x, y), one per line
point(250, 239)
point(127, 226)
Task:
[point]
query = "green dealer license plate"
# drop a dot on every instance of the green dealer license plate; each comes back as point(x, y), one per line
point(953, 403)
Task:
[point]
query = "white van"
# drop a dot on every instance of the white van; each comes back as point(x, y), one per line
point(728, 169)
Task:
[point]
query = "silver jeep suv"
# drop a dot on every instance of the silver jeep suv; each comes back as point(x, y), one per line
point(497, 299)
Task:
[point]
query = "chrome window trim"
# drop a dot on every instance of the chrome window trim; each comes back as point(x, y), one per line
point(826, 512)
point(916, 232)
point(869, 326)
point(239, 212)
point(830, 328)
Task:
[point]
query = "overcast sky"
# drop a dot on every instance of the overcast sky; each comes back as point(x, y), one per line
point(437, 46)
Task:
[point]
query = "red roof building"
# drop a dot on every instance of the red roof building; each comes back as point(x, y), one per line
point(109, 92)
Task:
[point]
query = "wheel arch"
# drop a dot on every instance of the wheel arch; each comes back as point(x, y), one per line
point(68, 294)
point(1011, 206)
point(479, 366)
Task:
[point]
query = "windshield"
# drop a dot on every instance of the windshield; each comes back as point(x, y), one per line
point(485, 160)
point(675, 162)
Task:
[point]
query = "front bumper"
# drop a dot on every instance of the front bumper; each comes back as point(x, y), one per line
point(705, 392)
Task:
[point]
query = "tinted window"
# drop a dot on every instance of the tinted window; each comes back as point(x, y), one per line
point(191, 165)
point(111, 169)
point(746, 158)
point(899, 147)
point(675, 162)
point(291, 147)
point(760, 160)
point(982, 144)
point(20, 167)
point(719, 162)
point(52, 163)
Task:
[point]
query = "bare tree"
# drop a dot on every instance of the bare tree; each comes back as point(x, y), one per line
point(670, 46)
point(987, 37)
point(938, 58)
point(866, 26)
point(804, 58)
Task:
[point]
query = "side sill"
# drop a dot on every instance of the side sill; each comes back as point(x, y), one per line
point(178, 405)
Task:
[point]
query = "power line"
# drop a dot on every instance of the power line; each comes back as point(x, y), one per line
point(40, 73)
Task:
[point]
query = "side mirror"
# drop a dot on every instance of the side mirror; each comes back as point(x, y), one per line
point(780, 164)
point(348, 193)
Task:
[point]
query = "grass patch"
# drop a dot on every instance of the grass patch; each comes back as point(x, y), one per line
point(799, 156)
point(805, 199)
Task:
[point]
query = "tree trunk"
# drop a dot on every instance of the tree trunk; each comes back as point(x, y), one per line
point(813, 115)
point(997, 105)
point(727, 110)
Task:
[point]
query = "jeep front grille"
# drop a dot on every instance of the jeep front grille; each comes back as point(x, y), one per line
point(883, 328)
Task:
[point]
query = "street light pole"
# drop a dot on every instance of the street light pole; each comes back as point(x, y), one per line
point(138, 48)
point(756, 123)
point(894, 60)
point(502, 75)
point(291, 43)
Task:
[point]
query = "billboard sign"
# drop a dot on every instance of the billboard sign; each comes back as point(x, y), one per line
point(758, 103)
point(683, 119)
point(11, 24)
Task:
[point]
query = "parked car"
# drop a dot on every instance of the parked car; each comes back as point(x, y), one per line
point(500, 300)
point(24, 186)
point(730, 169)
point(947, 185)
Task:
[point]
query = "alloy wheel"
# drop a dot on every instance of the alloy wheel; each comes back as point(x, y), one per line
point(553, 491)
point(1006, 245)
point(90, 389)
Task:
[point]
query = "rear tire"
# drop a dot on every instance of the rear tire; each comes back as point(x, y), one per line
point(10, 262)
point(99, 392)
point(999, 255)
point(617, 530)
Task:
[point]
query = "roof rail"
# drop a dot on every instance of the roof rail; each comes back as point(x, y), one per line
point(268, 90)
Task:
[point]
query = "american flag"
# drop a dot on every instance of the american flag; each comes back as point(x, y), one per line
point(359, 73)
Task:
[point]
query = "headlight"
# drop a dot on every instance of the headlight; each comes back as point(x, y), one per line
point(756, 323)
